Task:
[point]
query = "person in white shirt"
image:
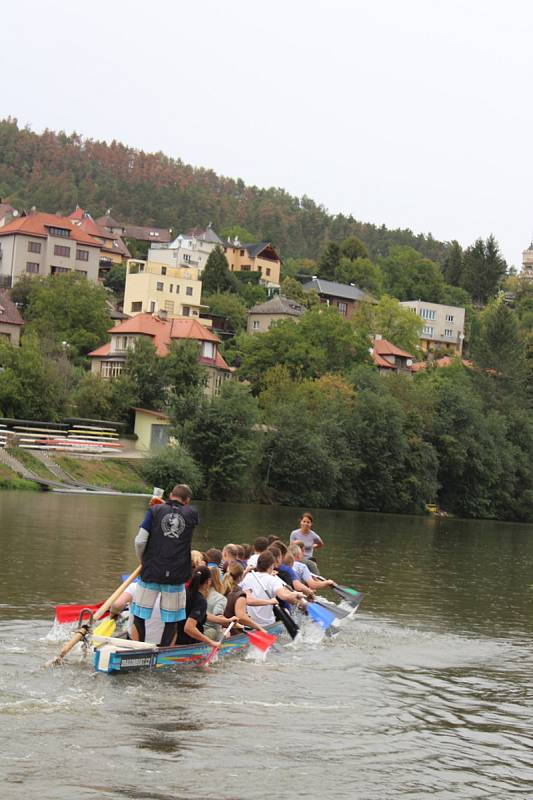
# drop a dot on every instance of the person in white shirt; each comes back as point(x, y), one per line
point(260, 545)
point(154, 625)
point(265, 585)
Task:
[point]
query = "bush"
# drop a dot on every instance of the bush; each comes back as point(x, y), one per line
point(171, 466)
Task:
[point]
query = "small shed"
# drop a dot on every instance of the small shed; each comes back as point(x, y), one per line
point(152, 429)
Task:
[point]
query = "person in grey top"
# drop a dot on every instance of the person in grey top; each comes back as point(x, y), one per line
point(311, 540)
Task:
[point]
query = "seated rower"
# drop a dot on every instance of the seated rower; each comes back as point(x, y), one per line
point(196, 615)
point(216, 602)
point(288, 574)
point(265, 585)
point(230, 553)
point(260, 545)
point(214, 557)
point(303, 571)
point(238, 599)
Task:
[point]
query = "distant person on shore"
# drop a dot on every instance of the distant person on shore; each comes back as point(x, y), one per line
point(311, 540)
point(163, 545)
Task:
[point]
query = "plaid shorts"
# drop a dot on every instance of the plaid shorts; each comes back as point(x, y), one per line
point(172, 603)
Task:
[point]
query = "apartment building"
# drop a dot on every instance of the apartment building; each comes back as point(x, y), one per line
point(45, 244)
point(444, 326)
point(191, 249)
point(152, 287)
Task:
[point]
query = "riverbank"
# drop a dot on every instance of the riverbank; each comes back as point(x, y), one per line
point(121, 474)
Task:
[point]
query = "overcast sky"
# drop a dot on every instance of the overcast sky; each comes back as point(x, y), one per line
point(412, 113)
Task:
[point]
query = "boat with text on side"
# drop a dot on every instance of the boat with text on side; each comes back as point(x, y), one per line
point(113, 655)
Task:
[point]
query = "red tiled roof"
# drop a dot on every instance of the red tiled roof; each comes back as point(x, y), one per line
point(9, 313)
point(385, 348)
point(445, 361)
point(77, 214)
point(37, 225)
point(111, 243)
point(162, 332)
point(379, 361)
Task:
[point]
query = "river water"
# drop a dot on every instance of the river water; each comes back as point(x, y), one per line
point(426, 693)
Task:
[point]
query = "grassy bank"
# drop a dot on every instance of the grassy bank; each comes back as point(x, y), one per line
point(123, 475)
point(32, 462)
point(10, 480)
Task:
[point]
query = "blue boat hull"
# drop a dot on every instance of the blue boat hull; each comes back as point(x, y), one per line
point(186, 655)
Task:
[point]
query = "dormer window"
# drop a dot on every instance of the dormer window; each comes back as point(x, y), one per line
point(208, 350)
point(58, 231)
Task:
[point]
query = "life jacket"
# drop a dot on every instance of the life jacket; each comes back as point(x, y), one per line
point(167, 555)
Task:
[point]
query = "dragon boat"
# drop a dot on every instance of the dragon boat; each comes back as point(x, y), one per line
point(113, 655)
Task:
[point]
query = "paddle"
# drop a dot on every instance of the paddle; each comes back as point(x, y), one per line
point(340, 613)
point(281, 615)
point(215, 649)
point(71, 613)
point(352, 596)
point(320, 615)
point(260, 639)
point(84, 629)
point(106, 628)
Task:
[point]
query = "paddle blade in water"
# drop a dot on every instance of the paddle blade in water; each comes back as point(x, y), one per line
point(320, 615)
point(263, 641)
point(340, 613)
point(351, 596)
point(71, 613)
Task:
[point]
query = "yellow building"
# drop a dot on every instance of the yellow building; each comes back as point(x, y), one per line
point(260, 257)
point(152, 429)
point(152, 288)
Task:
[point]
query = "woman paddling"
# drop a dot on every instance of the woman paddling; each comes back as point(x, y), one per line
point(311, 540)
point(192, 630)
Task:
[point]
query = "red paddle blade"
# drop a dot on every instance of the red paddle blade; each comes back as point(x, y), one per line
point(71, 613)
point(263, 641)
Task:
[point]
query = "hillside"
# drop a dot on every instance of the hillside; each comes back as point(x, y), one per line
point(56, 172)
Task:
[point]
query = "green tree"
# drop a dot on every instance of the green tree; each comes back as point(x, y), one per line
point(97, 398)
point(21, 291)
point(171, 466)
point(353, 248)
point(231, 232)
point(303, 268)
point(224, 442)
point(329, 261)
point(216, 276)
point(185, 381)
point(390, 319)
point(116, 280)
point(148, 374)
point(407, 275)
point(230, 306)
point(361, 272)
point(483, 269)
point(452, 263)
point(292, 289)
point(70, 309)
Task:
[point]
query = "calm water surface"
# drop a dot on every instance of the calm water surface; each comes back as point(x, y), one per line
point(426, 693)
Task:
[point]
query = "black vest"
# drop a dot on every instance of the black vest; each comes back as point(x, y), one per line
point(167, 555)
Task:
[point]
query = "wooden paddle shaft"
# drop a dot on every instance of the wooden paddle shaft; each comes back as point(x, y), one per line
point(100, 613)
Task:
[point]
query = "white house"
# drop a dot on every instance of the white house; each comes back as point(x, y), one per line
point(190, 249)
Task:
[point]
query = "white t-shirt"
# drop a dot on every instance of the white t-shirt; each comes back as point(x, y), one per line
point(252, 561)
point(154, 626)
point(264, 586)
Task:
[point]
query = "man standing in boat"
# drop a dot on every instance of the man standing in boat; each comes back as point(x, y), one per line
point(163, 545)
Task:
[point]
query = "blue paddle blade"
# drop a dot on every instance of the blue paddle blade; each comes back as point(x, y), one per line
point(320, 615)
point(126, 576)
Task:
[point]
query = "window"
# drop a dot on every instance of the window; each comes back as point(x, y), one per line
point(163, 270)
point(188, 291)
point(58, 270)
point(82, 255)
point(427, 330)
point(59, 232)
point(449, 317)
point(111, 369)
point(343, 308)
point(34, 247)
point(267, 270)
point(159, 286)
point(187, 258)
point(427, 313)
point(60, 250)
point(32, 266)
point(242, 252)
point(246, 268)
point(152, 306)
point(186, 311)
point(448, 333)
point(137, 306)
point(121, 343)
point(169, 306)
point(177, 288)
point(81, 272)
point(208, 350)
point(255, 325)
point(171, 287)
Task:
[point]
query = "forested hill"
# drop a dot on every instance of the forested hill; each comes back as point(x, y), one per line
point(55, 172)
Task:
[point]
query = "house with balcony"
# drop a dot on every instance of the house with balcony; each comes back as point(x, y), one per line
point(191, 249)
point(443, 326)
point(108, 361)
point(46, 244)
point(259, 257)
point(343, 297)
point(152, 287)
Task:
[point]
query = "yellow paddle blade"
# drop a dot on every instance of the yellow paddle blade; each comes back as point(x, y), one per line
point(105, 628)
